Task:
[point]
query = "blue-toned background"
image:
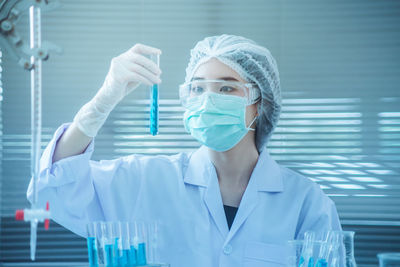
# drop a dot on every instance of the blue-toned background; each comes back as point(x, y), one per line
point(340, 126)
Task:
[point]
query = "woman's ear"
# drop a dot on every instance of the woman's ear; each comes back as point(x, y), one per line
point(257, 106)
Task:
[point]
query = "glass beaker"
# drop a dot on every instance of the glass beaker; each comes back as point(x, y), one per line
point(389, 259)
point(348, 248)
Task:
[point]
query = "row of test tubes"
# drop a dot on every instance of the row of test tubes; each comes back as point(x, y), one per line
point(122, 244)
point(323, 249)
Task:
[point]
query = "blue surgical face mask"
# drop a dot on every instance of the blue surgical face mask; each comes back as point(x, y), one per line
point(217, 121)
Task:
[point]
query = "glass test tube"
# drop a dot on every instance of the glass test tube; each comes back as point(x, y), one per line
point(117, 242)
point(154, 101)
point(307, 258)
point(295, 249)
point(152, 233)
point(142, 254)
point(122, 243)
point(109, 242)
point(91, 245)
point(137, 238)
point(99, 242)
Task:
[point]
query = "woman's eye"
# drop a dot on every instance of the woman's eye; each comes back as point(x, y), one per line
point(227, 89)
point(197, 90)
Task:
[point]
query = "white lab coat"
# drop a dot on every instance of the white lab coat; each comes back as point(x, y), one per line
point(182, 192)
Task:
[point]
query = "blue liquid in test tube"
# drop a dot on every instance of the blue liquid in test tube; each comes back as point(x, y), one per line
point(154, 105)
point(109, 255)
point(154, 110)
point(116, 252)
point(123, 259)
point(141, 254)
point(311, 262)
point(301, 262)
point(132, 257)
point(322, 263)
point(92, 252)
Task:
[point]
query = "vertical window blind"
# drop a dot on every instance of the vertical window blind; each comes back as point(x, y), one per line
point(340, 122)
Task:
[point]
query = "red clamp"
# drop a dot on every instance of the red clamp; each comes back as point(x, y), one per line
point(27, 215)
point(47, 221)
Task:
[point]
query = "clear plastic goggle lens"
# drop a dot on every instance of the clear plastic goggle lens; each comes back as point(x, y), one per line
point(197, 88)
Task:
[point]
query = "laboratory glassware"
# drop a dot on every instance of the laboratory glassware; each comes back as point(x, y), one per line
point(154, 95)
point(389, 259)
point(348, 243)
point(30, 57)
point(91, 245)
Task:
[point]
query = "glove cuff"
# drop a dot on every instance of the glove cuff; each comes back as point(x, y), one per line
point(91, 117)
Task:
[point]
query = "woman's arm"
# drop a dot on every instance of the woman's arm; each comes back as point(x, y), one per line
point(72, 142)
point(81, 190)
point(127, 72)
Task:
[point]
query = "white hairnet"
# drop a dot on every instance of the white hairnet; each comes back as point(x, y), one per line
point(253, 63)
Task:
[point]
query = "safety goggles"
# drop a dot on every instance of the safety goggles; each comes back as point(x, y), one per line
point(196, 88)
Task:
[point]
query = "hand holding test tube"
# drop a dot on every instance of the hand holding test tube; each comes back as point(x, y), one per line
point(126, 73)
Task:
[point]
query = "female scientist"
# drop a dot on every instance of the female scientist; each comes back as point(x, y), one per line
point(226, 204)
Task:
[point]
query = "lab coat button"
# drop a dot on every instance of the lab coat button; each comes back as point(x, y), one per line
point(228, 249)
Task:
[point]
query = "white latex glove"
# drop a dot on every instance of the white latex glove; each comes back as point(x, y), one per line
point(126, 73)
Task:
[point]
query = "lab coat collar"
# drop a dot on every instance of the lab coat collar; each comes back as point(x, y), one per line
point(201, 172)
point(197, 172)
point(266, 177)
point(266, 172)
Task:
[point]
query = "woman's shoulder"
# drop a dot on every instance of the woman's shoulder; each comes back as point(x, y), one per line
point(307, 193)
point(294, 181)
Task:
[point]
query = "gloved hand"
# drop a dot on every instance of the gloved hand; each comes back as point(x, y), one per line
point(126, 73)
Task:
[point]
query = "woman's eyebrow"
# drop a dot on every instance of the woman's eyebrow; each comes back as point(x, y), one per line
point(221, 78)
